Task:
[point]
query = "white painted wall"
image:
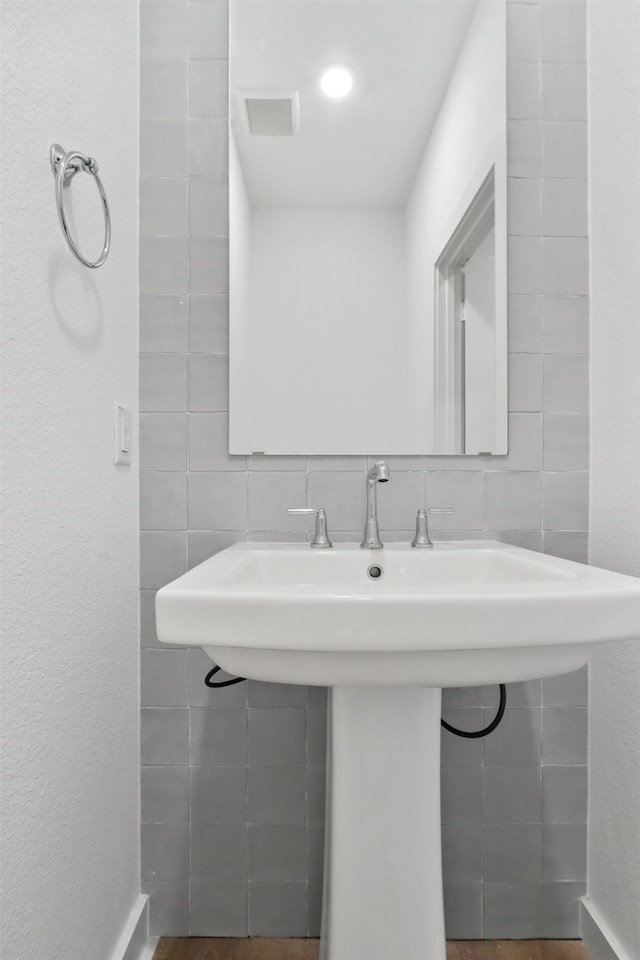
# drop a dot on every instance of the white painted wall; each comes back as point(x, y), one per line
point(69, 517)
point(468, 138)
point(614, 182)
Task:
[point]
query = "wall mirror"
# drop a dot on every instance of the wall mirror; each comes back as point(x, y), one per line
point(367, 169)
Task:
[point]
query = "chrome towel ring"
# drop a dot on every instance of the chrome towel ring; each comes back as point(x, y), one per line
point(65, 166)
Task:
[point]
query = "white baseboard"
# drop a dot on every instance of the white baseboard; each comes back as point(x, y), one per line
point(135, 942)
point(598, 937)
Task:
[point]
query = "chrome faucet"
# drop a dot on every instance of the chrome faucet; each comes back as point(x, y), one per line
point(379, 473)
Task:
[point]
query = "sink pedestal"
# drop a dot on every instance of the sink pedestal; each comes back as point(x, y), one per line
point(383, 868)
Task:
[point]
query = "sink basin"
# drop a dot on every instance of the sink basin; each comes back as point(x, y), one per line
point(386, 629)
point(464, 613)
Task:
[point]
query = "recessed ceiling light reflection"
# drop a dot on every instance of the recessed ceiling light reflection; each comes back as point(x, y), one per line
point(336, 82)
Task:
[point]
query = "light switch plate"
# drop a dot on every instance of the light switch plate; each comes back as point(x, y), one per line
point(121, 434)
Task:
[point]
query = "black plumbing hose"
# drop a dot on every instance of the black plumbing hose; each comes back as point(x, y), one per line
point(474, 734)
point(468, 734)
point(221, 683)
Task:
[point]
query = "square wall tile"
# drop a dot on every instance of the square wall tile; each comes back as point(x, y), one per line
point(208, 88)
point(525, 323)
point(163, 558)
point(209, 323)
point(164, 852)
point(566, 384)
point(564, 32)
point(569, 544)
point(566, 441)
point(459, 751)
point(462, 852)
point(276, 737)
point(525, 444)
point(512, 795)
point(164, 323)
point(271, 494)
point(316, 737)
point(524, 150)
point(565, 208)
point(342, 494)
point(564, 794)
point(527, 539)
point(276, 694)
point(524, 205)
point(512, 911)
point(163, 265)
point(316, 794)
point(164, 678)
point(219, 908)
point(163, 441)
point(169, 905)
point(164, 150)
point(560, 909)
point(463, 911)
point(208, 145)
point(512, 501)
point(164, 90)
point(524, 264)
point(209, 443)
point(461, 795)
point(218, 794)
point(564, 149)
point(277, 795)
point(164, 737)
point(277, 852)
point(208, 265)
point(525, 383)
point(278, 909)
point(164, 794)
point(208, 206)
point(564, 735)
point(163, 383)
point(209, 383)
point(523, 91)
point(460, 490)
point(219, 851)
point(517, 741)
point(512, 852)
point(565, 501)
point(208, 30)
point(164, 208)
point(206, 543)
point(565, 266)
point(564, 851)
point(218, 736)
point(523, 32)
point(315, 854)
point(565, 324)
point(564, 91)
point(164, 30)
point(567, 690)
point(163, 501)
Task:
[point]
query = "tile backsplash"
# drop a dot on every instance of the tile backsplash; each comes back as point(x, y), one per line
point(233, 779)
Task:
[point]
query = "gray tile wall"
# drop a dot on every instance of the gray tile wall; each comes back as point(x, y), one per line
point(233, 780)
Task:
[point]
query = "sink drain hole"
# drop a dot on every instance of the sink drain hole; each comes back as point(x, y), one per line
point(374, 572)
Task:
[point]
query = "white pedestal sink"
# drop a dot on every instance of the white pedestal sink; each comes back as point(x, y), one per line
point(461, 614)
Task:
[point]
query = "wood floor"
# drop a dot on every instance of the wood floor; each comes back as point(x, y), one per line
point(258, 948)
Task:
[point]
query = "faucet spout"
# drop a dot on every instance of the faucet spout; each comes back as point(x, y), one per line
point(379, 473)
